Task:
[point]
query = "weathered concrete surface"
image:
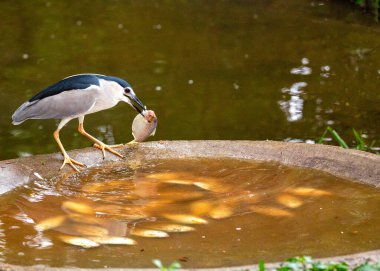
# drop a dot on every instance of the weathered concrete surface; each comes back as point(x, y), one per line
point(356, 165)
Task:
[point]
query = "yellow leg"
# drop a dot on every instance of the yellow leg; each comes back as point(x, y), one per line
point(99, 144)
point(67, 159)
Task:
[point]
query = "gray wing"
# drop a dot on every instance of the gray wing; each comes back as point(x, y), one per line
point(67, 104)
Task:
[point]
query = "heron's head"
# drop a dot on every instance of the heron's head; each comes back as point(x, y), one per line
point(124, 92)
point(132, 100)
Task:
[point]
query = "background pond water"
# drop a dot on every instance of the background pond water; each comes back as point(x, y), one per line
point(279, 70)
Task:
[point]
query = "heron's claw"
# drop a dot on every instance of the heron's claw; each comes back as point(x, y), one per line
point(103, 147)
point(133, 142)
point(116, 146)
point(72, 163)
point(99, 144)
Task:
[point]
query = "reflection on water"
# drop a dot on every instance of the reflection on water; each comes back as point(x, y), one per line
point(208, 212)
point(294, 106)
point(107, 134)
point(303, 70)
point(325, 71)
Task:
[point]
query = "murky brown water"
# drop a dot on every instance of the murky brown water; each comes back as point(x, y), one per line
point(201, 212)
point(255, 70)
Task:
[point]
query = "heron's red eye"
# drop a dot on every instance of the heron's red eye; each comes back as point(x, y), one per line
point(127, 90)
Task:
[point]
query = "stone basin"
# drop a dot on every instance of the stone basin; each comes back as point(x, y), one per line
point(355, 165)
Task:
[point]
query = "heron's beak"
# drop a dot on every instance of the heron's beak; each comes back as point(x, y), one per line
point(137, 104)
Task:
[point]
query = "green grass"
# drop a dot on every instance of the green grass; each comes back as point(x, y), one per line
point(359, 142)
point(303, 263)
point(306, 263)
point(172, 267)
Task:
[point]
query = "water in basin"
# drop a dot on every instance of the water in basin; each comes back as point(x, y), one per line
point(201, 212)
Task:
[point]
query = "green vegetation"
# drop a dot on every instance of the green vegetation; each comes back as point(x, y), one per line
point(371, 5)
point(306, 263)
point(303, 263)
point(172, 267)
point(359, 142)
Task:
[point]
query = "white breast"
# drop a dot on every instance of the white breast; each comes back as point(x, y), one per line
point(107, 96)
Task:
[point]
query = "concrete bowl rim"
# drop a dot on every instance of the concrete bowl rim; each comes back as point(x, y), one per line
point(312, 156)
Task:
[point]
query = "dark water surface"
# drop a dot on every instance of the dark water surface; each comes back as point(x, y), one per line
point(280, 70)
point(225, 212)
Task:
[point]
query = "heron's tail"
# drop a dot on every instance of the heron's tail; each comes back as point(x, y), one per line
point(21, 114)
point(17, 123)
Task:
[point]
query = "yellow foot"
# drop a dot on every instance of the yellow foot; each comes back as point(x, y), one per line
point(103, 147)
point(71, 162)
point(133, 142)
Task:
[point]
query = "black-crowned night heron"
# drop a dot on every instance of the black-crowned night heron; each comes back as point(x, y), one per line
point(75, 97)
